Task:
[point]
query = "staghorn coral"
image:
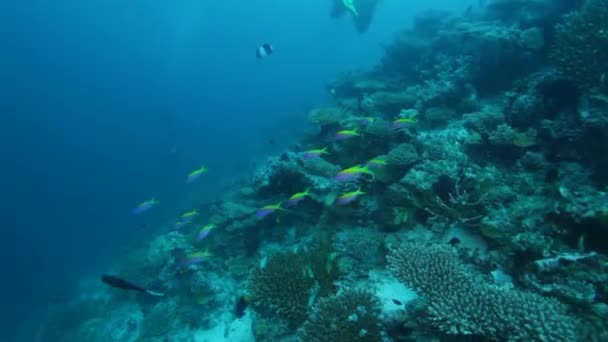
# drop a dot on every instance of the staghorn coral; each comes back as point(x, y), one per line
point(460, 302)
point(581, 46)
point(349, 316)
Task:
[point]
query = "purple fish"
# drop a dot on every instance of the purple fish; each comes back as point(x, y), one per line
point(204, 232)
point(403, 122)
point(192, 261)
point(345, 200)
point(311, 154)
point(143, 207)
point(194, 175)
point(261, 213)
point(267, 210)
point(346, 177)
point(349, 197)
point(195, 258)
point(293, 202)
point(180, 224)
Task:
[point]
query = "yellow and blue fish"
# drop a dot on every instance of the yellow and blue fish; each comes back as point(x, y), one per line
point(403, 122)
point(204, 232)
point(268, 209)
point(346, 134)
point(196, 258)
point(144, 206)
point(195, 175)
point(189, 216)
point(296, 198)
point(349, 197)
point(352, 173)
point(310, 154)
point(375, 163)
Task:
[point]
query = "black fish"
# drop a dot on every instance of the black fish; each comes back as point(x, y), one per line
point(552, 175)
point(365, 9)
point(120, 283)
point(241, 305)
point(398, 302)
point(264, 50)
point(454, 241)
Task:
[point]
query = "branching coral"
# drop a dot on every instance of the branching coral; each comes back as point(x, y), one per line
point(459, 302)
point(581, 46)
point(290, 283)
point(461, 201)
point(283, 286)
point(349, 316)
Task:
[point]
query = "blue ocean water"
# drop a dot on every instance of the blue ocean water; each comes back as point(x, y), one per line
point(108, 103)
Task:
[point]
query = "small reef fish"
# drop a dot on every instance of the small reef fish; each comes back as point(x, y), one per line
point(310, 154)
point(180, 224)
point(195, 175)
point(144, 206)
point(264, 50)
point(352, 173)
point(368, 120)
point(403, 122)
point(122, 284)
point(204, 232)
point(241, 305)
point(196, 258)
point(346, 134)
point(349, 197)
point(350, 5)
point(189, 216)
point(296, 198)
point(267, 210)
point(376, 163)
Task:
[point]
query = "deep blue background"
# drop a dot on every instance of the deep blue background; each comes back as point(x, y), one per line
point(104, 104)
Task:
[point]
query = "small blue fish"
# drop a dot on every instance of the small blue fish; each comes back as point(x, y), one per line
point(267, 210)
point(180, 224)
point(204, 232)
point(195, 175)
point(144, 206)
point(195, 258)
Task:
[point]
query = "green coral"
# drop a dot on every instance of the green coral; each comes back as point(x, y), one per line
point(290, 282)
point(581, 46)
point(349, 316)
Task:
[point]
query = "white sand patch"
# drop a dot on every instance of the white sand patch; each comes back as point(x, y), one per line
point(388, 289)
point(231, 330)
